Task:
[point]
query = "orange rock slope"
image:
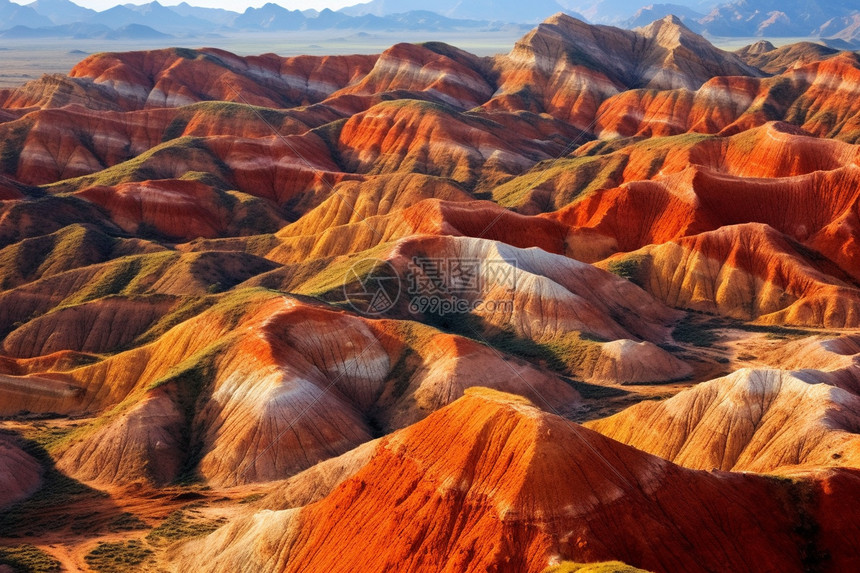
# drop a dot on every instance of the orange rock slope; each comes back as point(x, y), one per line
point(523, 489)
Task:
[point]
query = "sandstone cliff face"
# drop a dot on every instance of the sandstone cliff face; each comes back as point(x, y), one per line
point(568, 68)
point(808, 96)
point(753, 420)
point(20, 473)
point(287, 386)
point(538, 489)
point(768, 58)
point(749, 272)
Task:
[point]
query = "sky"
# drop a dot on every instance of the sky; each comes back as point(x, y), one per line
point(235, 5)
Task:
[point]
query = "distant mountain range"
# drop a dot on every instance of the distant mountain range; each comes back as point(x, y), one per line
point(837, 20)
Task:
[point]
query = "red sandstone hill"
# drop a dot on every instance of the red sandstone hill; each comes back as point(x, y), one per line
point(20, 473)
point(807, 96)
point(642, 232)
point(521, 489)
point(768, 58)
point(753, 420)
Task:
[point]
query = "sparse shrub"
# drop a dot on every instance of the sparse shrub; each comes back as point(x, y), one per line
point(126, 522)
point(118, 557)
point(175, 129)
point(252, 498)
point(180, 525)
point(28, 558)
point(10, 150)
point(629, 268)
point(690, 331)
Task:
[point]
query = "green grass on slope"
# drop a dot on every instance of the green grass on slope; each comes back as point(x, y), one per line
point(325, 278)
point(629, 267)
point(601, 167)
point(564, 353)
point(69, 248)
point(218, 110)
point(583, 175)
point(12, 143)
point(193, 374)
point(187, 309)
point(438, 108)
point(183, 524)
point(118, 557)
point(188, 150)
point(27, 558)
point(128, 276)
point(567, 353)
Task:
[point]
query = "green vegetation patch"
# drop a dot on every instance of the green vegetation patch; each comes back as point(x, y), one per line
point(702, 330)
point(565, 180)
point(127, 276)
point(326, 278)
point(72, 246)
point(182, 524)
point(243, 111)
point(401, 372)
point(126, 521)
point(444, 49)
point(330, 134)
point(576, 56)
point(189, 308)
point(119, 557)
point(28, 558)
point(12, 143)
point(190, 150)
point(251, 498)
point(596, 391)
point(46, 436)
point(175, 129)
point(567, 353)
point(630, 267)
point(693, 330)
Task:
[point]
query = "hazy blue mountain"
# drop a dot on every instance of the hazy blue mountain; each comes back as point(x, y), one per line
point(841, 45)
point(270, 17)
point(85, 31)
point(776, 17)
point(12, 15)
point(494, 10)
point(327, 19)
point(275, 17)
point(215, 15)
point(846, 28)
point(76, 30)
point(649, 14)
point(835, 19)
point(621, 11)
point(62, 11)
point(136, 32)
point(425, 20)
point(152, 15)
